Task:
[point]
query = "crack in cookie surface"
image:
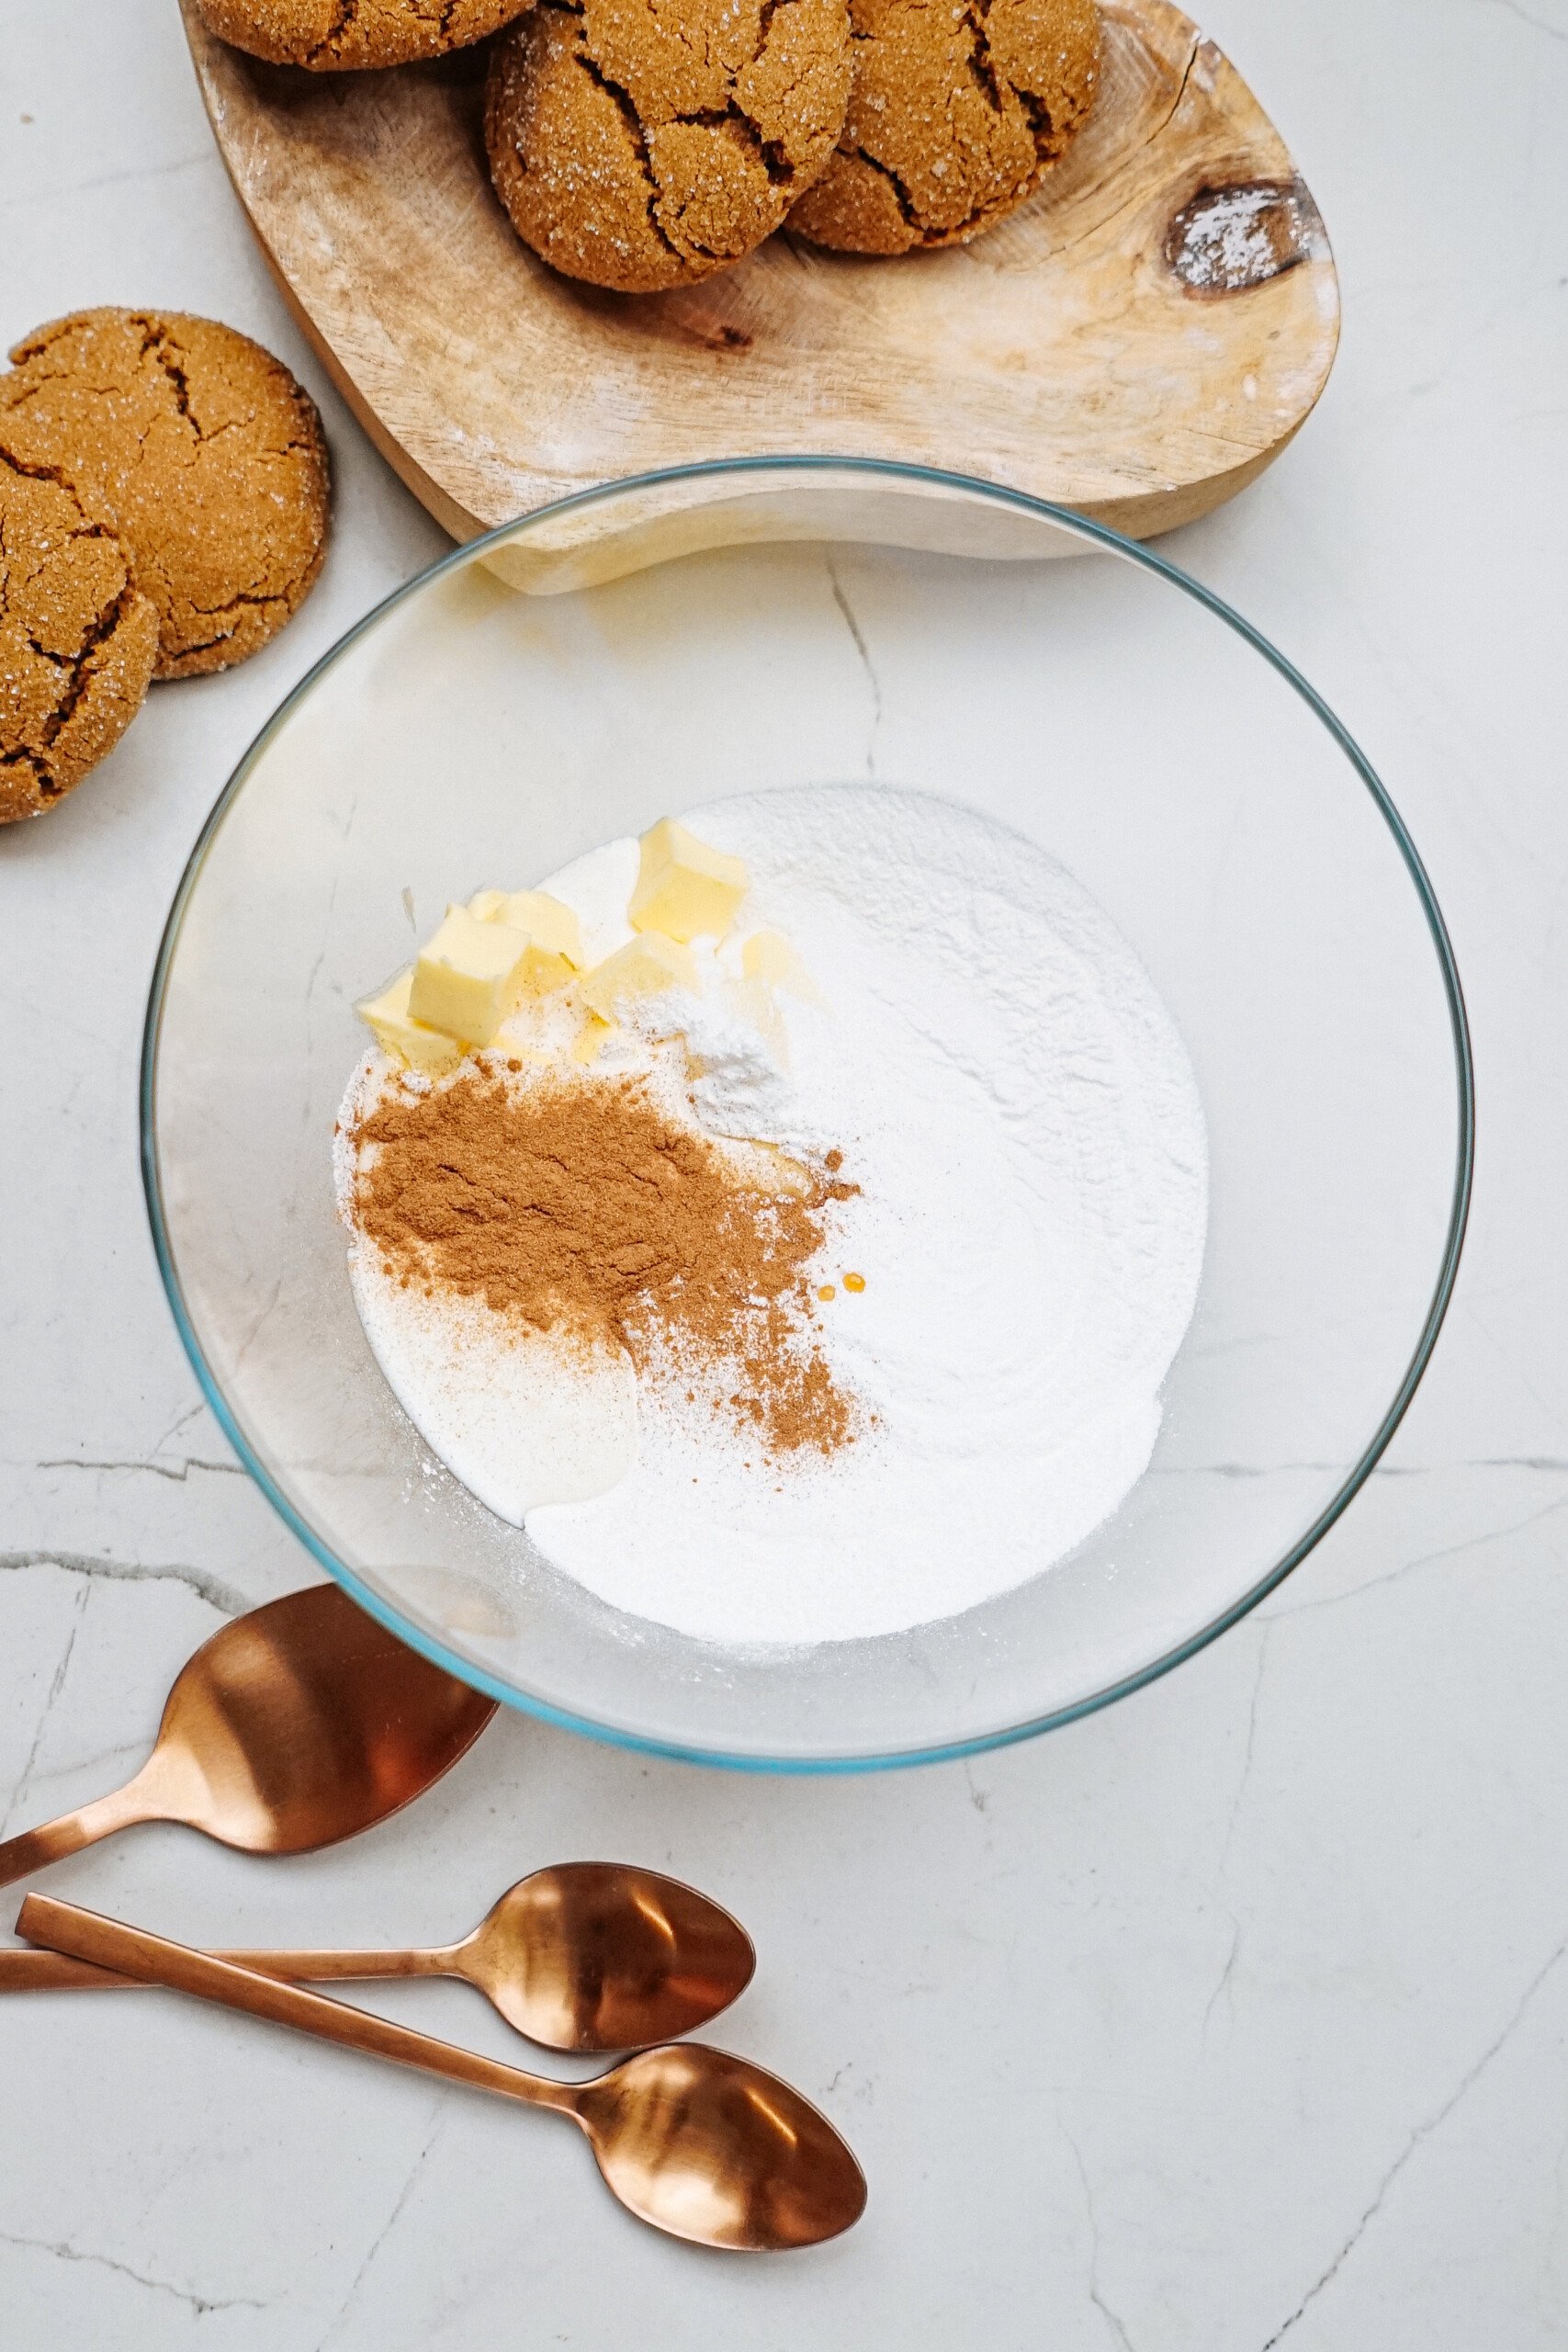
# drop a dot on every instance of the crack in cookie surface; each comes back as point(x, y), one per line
point(345, 35)
point(199, 450)
point(638, 138)
point(955, 112)
point(641, 144)
point(77, 642)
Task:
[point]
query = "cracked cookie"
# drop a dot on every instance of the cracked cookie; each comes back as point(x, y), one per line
point(199, 450)
point(954, 113)
point(343, 36)
point(77, 642)
point(642, 144)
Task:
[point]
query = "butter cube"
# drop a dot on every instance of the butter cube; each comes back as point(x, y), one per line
point(754, 1003)
point(593, 1034)
point(399, 1033)
point(772, 1170)
point(768, 956)
point(469, 977)
point(683, 888)
point(642, 967)
point(553, 928)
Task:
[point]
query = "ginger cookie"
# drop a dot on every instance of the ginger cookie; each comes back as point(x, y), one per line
point(77, 642)
point(343, 36)
point(955, 112)
point(199, 450)
point(642, 144)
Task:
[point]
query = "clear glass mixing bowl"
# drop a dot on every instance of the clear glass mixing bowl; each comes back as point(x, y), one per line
point(665, 642)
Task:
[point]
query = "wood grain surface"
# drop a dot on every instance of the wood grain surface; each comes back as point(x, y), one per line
point(1137, 341)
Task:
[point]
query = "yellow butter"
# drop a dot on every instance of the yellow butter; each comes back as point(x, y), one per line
point(593, 1034)
point(768, 956)
point(642, 967)
point(755, 1005)
point(685, 889)
point(469, 977)
point(396, 1031)
point(553, 928)
point(768, 1168)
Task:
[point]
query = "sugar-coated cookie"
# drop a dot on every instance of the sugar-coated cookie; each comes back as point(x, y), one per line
point(954, 112)
point(77, 642)
point(199, 450)
point(331, 37)
point(642, 144)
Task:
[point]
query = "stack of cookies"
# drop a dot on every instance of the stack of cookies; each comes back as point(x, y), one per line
point(643, 144)
point(163, 505)
point(163, 486)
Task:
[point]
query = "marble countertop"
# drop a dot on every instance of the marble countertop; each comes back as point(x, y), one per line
point(1233, 2017)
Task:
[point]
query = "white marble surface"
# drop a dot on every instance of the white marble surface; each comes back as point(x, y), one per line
point(1233, 2018)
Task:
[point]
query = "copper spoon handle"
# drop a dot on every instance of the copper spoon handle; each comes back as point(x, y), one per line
point(35, 1848)
point(51, 1972)
point(111, 1943)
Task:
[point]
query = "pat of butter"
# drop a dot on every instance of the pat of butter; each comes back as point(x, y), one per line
point(396, 1031)
point(683, 888)
point(642, 967)
point(553, 928)
point(768, 956)
point(776, 1172)
point(593, 1034)
point(755, 1005)
point(469, 977)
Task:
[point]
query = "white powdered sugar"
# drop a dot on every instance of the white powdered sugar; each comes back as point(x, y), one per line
point(1018, 1112)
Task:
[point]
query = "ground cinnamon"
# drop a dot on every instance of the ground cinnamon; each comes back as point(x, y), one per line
point(581, 1207)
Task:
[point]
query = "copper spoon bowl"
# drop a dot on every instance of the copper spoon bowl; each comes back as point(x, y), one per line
point(299, 1723)
point(698, 2143)
point(585, 1956)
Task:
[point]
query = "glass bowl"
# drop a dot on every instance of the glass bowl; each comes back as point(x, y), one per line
point(669, 640)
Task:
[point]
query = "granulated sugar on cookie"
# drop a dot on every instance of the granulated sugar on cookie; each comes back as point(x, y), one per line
point(641, 148)
point(194, 447)
point(77, 643)
point(332, 38)
point(954, 115)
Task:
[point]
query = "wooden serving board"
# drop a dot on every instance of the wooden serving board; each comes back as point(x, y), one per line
point(1137, 341)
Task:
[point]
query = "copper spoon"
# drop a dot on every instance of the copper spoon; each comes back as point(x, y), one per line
point(699, 2144)
point(585, 1956)
point(299, 1723)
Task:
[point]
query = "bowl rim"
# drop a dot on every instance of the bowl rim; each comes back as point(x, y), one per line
point(1093, 534)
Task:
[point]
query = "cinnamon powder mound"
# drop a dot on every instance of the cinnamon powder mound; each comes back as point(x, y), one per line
point(581, 1208)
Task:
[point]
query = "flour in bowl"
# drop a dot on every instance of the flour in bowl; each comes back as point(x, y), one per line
point(955, 1192)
